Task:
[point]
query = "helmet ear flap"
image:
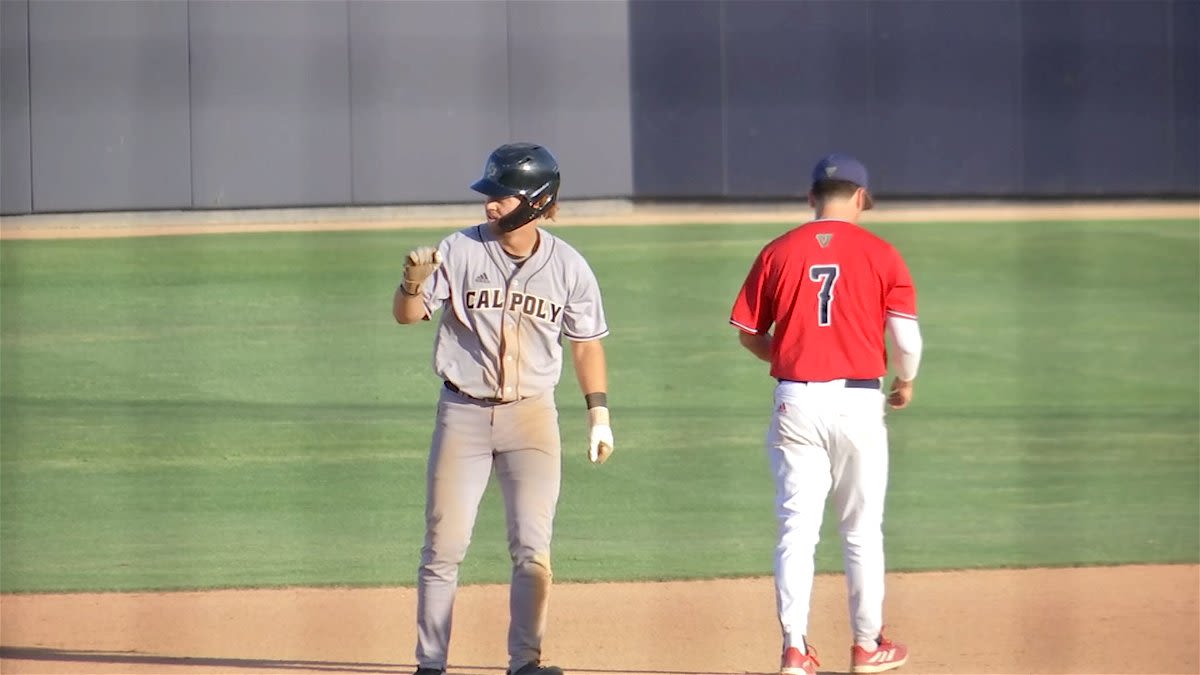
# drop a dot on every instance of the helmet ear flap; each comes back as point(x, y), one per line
point(518, 217)
point(532, 206)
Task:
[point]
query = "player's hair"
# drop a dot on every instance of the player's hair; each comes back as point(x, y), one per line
point(824, 189)
point(551, 212)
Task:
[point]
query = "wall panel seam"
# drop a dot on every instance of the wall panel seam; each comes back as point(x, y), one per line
point(724, 107)
point(29, 94)
point(1171, 113)
point(508, 80)
point(190, 103)
point(350, 102)
point(1020, 111)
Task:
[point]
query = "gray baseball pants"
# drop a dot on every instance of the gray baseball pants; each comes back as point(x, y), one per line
point(520, 441)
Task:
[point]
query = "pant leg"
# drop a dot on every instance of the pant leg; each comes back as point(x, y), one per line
point(529, 471)
point(460, 463)
point(800, 466)
point(859, 453)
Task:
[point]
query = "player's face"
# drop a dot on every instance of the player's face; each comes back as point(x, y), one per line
point(496, 208)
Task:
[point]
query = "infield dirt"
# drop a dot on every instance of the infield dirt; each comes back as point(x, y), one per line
point(1136, 619)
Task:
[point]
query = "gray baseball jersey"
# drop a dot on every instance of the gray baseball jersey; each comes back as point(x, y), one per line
point(500, 336)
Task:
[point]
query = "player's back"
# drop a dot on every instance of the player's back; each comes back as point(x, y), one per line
point(832, 284)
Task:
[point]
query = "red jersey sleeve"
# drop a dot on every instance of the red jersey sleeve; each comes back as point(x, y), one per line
point(753, 311)
point(901, 294)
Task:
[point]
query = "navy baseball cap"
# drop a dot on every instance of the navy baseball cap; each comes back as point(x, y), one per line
point(838, 166)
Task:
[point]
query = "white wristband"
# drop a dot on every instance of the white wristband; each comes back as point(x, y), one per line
point(598, 415)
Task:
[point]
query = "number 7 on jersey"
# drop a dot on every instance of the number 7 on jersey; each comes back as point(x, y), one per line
point(827, 276)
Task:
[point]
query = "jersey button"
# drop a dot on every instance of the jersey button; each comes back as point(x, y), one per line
point(508, 357)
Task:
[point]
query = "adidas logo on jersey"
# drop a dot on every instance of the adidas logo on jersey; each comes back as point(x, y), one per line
point(481, 278)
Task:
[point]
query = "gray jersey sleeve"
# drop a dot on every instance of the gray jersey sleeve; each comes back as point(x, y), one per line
point(437, 288)
point(583, 317)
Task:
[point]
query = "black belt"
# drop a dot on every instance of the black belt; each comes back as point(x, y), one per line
point(454, 388)
point(851, 383)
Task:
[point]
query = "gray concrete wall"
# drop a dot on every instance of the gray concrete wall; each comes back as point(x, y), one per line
point(270, 92)
point(16, 183)
point(108, 97)
point(178, 104)
point(162, 104)
point(427, 101)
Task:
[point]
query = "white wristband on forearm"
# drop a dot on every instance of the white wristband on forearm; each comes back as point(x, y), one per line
point(598, 415)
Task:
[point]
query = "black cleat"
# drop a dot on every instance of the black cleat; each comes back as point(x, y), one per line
point(533, 668)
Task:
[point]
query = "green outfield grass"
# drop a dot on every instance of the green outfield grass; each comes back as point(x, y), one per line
point(241, 410)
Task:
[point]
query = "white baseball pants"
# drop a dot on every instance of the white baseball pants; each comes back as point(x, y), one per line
point(827, 439)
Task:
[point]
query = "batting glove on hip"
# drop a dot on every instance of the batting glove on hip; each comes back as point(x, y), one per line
point(418, 266)
point(600, 436)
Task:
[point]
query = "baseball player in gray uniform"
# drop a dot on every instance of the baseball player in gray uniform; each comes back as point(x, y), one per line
point(509, 291)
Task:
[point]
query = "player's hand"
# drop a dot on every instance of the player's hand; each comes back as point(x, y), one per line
point(900, 394)
point(418, 266)
point(600, 436)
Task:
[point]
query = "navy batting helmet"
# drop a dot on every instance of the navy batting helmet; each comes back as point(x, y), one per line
point(522, 170)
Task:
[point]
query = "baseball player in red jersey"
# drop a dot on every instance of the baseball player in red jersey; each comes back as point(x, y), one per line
point(830, 289)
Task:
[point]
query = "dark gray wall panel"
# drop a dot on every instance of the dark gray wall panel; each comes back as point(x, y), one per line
point(989, 97)
point(569, 89)
point(16, 190)
point(1097, 97)
point(798, 85)
point(429, 92)
point(270, 103)
point(109, 105)
point(945, 125)
point(676, 90)
point(1186, 75)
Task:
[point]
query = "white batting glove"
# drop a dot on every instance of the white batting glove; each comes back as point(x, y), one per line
point(600, 436)
point(418, 266)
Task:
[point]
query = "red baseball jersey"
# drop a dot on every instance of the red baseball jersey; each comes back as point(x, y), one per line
point(827, 287)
